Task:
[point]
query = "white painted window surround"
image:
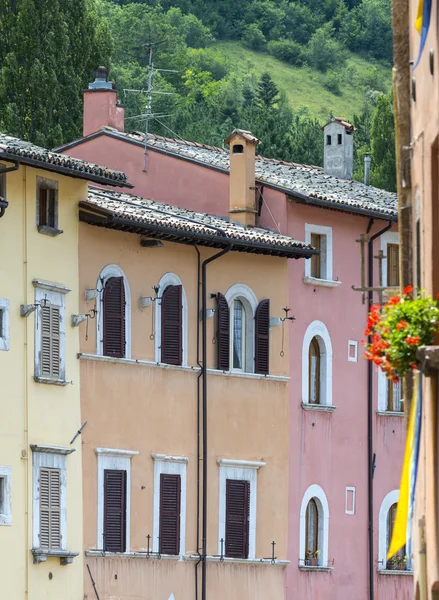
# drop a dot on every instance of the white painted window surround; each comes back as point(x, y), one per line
point(169, 465)
point(350, 500)
point(5, 319)
point(5, 496)
point(244, 470)
point(383, 542)
point(167, 280)
point(55, 294)
point(107, 273)
point(390, 237)
point(318, 330)
point(315, 492)
point(250, 304)
point(352, 351)
point(112, 458)
point(50, 457)
point(383, 384)
point(325, 256)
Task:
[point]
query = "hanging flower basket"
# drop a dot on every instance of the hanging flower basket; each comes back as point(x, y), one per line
point(405, 324)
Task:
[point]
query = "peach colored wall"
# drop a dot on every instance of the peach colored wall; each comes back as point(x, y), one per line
point(152, 409)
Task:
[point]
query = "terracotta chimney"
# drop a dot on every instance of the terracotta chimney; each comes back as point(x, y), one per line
point(242, 195)
point(101, 106)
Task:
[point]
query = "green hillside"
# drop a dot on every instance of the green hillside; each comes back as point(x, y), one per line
point(304, 87)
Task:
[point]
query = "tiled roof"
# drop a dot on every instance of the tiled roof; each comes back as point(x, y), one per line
point(15, 149)
point(342, 122)
point(163, 221)
point(305, 183)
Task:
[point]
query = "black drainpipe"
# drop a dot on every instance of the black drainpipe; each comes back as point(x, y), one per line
point(371, 461)
point(3, 201)
point(204, 375)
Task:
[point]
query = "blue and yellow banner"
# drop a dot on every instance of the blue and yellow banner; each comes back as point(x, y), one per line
point(422, 24)
point(402, 530)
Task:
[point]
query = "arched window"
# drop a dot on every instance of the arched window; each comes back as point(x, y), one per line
point(113, 323)
point(314, 528)
point(314, 372)
point(238, 335)
point(317, 365)
point(401, 560)
point(171, 321)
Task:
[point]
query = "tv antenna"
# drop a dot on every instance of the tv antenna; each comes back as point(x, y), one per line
point(148, 115)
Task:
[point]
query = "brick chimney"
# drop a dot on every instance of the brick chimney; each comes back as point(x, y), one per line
point(339, 148)
point(101, 106)
point(242, 195)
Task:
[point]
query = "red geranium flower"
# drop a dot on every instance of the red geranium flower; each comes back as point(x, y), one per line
point(402, 325)
point(412, 340)
point(394, 300)
point(408, 289)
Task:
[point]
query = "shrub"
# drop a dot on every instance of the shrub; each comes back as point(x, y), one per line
point(323, 51)
point(286, 50)
point(253, 37)
point(331, 82)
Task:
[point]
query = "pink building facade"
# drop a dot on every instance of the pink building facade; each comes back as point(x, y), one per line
point(331, 455)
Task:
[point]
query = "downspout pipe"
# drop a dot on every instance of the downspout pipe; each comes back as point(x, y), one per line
point(371, 465)
point(204, 394)
point(3, 202)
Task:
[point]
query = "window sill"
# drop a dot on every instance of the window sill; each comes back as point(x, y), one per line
point(315, 281)
point(319, 407)
point(65, 557)
point(50, 231)
point(389, 413)
point(49, 381)
point(405, 573)
point(240, 561)
point(141, 554)
point(316, 569)
point(244, 375)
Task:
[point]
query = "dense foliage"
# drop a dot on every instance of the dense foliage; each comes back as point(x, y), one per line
point(201, 95)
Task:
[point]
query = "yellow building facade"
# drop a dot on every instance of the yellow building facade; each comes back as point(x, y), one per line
point(40, 469)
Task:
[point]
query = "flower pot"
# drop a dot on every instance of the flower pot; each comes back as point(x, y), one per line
point(314, 562)
point(307, 562)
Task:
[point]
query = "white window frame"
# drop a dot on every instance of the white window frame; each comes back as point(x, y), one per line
point(243, 470)
point(6, 505)
point(318, 330)
point(350, 508)
point(107, 273)
point(49, 457)
point(165, 281)
point(315, 492)
point(353, 344)
point(169, 465)
point(119, 460)
point(55, 294)
point(383, 383)
point(5, 338)
point(242, 292)
point(390, 499)
point(390, 237)
point(325, 254)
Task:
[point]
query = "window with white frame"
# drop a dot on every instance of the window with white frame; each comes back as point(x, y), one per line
point(389, 242)
point(114, 499)
point(5, 496)
point(389, 395)
point(47, 206)
point(169, 528)
point(171, 321)
point(242, 304)
point(401, 560)
point(113, 322)
point(4, 324)
point(317, 365)
point(237, 507)
point(50, 332)
point(320, 265)
point(314, 528)
point(49, 497)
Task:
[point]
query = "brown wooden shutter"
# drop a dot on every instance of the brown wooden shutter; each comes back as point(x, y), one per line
point(392, 265)
point(114, 317)
point(50, 508)
point(115, 493)
point(223, 333)
point(316, 270)
point(262, 338)
point(170, 505)
point(172, 326)
point(237, 518)
point(50, 341)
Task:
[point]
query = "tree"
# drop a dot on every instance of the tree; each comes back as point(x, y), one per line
point(47, 54)
point(383, 172)
point(267, 94)
point(253, 37)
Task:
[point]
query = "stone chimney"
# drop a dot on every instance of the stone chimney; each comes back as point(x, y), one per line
point(101, 106)
point(242, 195)
point(339, 148)
point(366, 169)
